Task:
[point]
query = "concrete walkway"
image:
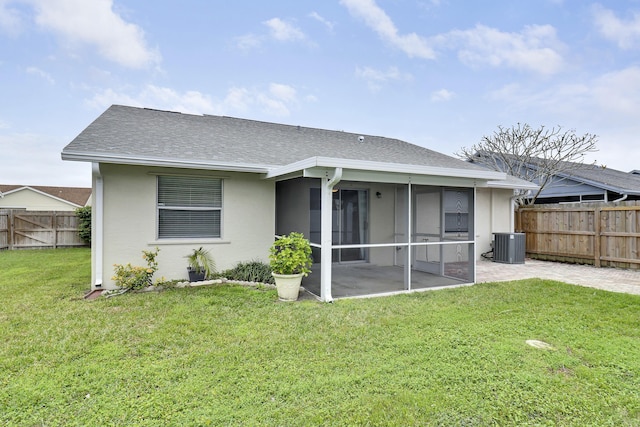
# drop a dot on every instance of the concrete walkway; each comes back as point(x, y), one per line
point(610, 279)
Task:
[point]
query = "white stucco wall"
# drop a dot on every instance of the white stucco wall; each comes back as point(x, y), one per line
point(130, 221)
point(33, 201)
point(493, 215)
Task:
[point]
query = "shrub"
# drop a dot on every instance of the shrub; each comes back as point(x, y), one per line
point(200, 261)
point(291, 255)
point(84, 223)
point(252, 271)
point(131, 277)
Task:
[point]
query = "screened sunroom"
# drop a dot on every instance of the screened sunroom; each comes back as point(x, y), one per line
point(377, 234)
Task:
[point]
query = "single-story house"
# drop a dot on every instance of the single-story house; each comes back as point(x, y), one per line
point(368, 204)
point(574, 182)
point(590, 183)
point(44, 198)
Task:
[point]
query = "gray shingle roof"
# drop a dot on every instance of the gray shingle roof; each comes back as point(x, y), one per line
point(151, 134)
point(594, 175)
point(606, 178)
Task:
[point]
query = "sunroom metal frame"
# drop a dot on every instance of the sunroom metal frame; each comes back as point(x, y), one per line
point(331, 171)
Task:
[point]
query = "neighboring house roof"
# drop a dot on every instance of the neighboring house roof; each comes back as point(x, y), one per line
point(78, 196)
point(139, 136)
point(599, 177)
point(605, 178)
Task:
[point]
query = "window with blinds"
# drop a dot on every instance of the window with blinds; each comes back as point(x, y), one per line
point(189, 207)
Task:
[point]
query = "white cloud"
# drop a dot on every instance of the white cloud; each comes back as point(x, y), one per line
point(283, 31)
point(238, 99)
point(441, 95)
point(536, 48)
point(10, 19)
point(248, 41)
point(35, 71)
point(276, 100)
point(618, 92)
point(20, 149)
point(323, 21)
point(612, 99)
point(162, 98)
point(411, 44)
point(376, 78)
point(283, 92)
point(606, 105)
point(626, 34)
point(94, 23)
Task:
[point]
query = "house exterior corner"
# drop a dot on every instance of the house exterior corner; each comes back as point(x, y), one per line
point(131, 221)
point(494, 210)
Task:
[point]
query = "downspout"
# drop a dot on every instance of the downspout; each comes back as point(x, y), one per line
point(97, 221)
point(326, 232)
point(621, 199)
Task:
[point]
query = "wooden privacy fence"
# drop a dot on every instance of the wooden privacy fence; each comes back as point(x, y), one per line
point(599, 234)
point(20, 229)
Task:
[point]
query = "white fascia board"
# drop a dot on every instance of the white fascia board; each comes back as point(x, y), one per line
point(154, 161)
point(292, 168)
point(16, 190)
point(396, 178)
point(521, 185)
point(396, 168)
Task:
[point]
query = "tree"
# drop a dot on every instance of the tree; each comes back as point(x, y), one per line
point(535, 155)
point(84, 225)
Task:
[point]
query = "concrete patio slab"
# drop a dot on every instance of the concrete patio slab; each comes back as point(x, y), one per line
point(367, 280)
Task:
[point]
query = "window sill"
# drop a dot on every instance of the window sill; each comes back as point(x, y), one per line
point(166, 242)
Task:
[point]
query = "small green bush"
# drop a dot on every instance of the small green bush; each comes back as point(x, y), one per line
point(133, 277)
point(291, 255)
point(84, 225)
point(201, 261)
point(252, 271)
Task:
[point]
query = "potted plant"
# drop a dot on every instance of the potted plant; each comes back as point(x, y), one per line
point(290, 260)
point(201, 265)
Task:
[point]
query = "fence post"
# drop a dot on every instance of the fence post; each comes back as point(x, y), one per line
point(54, 226)
point(10, 228)
point(596, 243)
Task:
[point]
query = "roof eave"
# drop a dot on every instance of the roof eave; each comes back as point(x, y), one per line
point(514, 186)
point(601, 185)
point(330, 162)
point(160, 162)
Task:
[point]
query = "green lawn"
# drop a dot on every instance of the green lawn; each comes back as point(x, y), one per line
point(229, 355)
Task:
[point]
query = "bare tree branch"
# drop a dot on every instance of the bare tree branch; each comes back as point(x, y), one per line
point(536, 155)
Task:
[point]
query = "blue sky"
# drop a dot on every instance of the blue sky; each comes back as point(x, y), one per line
point(438, 73)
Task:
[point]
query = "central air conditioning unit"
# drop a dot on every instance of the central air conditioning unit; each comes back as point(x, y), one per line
point(508, 248)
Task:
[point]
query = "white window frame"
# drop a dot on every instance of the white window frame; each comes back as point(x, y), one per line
point(160, 207)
